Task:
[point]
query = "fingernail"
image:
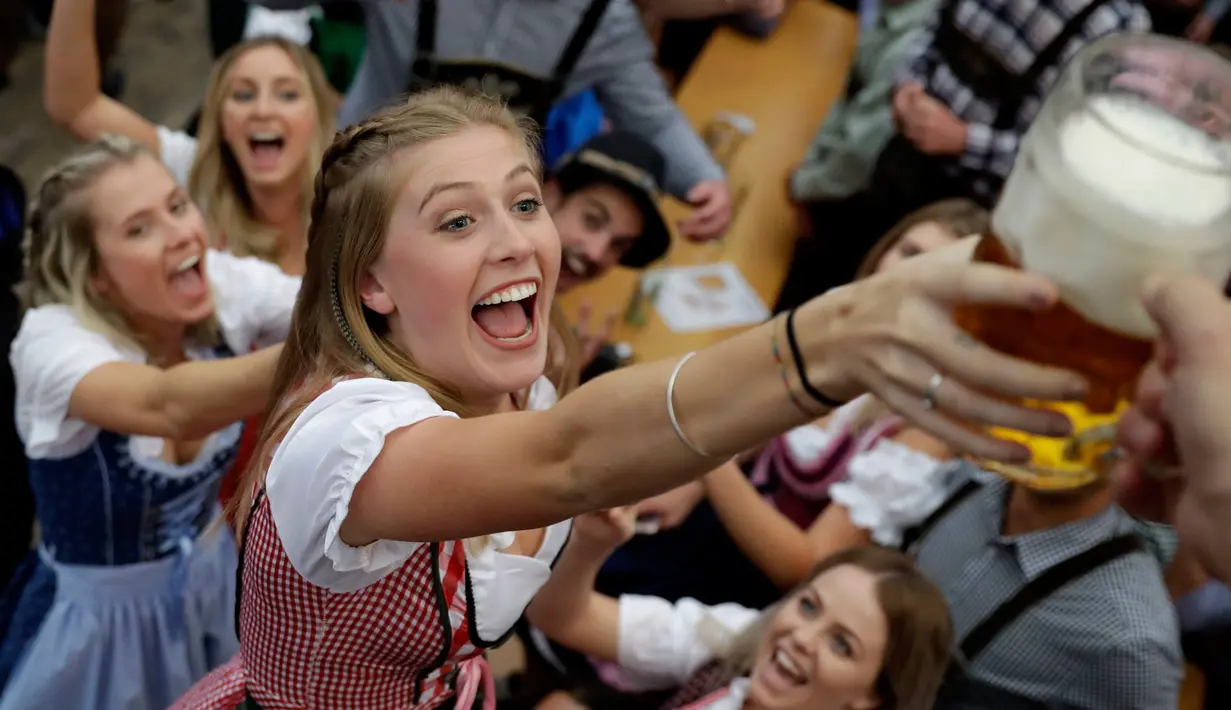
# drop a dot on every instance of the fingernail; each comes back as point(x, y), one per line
point(1020, 455)
point(1041, 299)
point(1077, 390)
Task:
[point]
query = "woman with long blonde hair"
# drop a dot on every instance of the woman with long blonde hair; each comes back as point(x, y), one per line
point(414, 484)
point(128, 403)
point(267, 117)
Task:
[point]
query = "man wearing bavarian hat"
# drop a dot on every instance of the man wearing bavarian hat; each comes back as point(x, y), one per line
point(604, 201)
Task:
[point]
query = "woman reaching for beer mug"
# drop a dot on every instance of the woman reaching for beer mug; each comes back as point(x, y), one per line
point(128, 405)
point(417, 475)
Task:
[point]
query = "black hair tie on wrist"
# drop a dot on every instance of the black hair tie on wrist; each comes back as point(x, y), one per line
point(812, 391)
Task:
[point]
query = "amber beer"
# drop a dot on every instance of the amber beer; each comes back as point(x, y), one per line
point(1100, 196)
point(1061, 337)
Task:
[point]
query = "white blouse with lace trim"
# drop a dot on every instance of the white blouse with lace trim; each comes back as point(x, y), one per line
point(661, 645)
point(892, 488)
point(805, 443)
point(327, 451)
point(53, 350)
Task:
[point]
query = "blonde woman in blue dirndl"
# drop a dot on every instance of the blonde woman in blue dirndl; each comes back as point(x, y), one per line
point(129, 403)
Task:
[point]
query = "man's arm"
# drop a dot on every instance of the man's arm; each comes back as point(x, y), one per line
point(619, 64)
point(843, 154)
point(991, 150)
point(918, 55)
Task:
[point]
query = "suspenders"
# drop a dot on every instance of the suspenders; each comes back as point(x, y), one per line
point(425, 43)
point(986, 74)
point(581, 37)
point(911, 537)
point(1006, 115)
point(1042, 587)
point(1033, 592)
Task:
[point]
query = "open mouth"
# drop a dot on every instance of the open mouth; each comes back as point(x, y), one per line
point(187, 278)
point(507, 315)
point(786, 669)
point(578, 265)
point(266, 149)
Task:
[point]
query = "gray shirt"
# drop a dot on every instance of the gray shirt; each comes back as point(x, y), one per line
point(618, 63)
point(1108, 640)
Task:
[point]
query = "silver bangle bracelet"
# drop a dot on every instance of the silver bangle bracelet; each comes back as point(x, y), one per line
point(675, 423)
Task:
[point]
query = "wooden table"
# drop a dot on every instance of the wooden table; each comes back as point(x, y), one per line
point(1192, 692)
point(786, 85)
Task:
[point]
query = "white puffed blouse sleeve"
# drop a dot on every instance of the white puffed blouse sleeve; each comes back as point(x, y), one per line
point(315, 469)
point(254, 300)
point(50, 355)
point(892, 488)
point(661, 645)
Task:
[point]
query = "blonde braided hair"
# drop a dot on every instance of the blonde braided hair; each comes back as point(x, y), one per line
point(58, 249)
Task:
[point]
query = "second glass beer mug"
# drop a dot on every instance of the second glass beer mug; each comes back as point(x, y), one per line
point(1126, 171)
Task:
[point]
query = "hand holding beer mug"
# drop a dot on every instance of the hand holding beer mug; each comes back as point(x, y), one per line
point(1126, 170)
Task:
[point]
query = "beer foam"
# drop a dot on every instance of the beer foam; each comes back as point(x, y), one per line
point(1147, 161)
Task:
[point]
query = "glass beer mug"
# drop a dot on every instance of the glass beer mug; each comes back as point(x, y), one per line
point(1126, 171)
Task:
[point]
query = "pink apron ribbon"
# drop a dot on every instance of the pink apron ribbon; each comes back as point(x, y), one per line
point(474, 671)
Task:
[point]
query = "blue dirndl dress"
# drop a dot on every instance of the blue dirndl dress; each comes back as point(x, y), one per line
point(129, 599)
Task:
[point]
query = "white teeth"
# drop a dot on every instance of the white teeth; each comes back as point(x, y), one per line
point(788, 664)
point(525, 334)
point(575, 264)
point(188, 263)
point(512, 293)
point(266, 136)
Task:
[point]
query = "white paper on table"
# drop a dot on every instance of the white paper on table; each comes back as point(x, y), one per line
point(715, 296)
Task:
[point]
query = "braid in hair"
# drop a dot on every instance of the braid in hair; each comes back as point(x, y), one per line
point(354, 196)
point(57, 247)
point(58, 251)
point(353, 150)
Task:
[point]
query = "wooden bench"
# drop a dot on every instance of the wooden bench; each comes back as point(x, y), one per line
point(786, 85)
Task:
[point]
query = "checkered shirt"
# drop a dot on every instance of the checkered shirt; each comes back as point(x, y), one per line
point(1014, 32)
point(1109, 639)
point(394, 645)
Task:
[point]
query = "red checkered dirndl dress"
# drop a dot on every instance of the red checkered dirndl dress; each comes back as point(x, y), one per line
point(402, 643)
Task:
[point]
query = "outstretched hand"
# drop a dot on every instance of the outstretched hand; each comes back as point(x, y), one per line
point(1178, 431)
point(605, 529)
point(894, 335)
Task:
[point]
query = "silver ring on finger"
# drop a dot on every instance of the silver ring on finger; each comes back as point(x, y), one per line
point(929, 392)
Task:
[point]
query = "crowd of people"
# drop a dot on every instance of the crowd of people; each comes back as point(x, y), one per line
point(298, 421)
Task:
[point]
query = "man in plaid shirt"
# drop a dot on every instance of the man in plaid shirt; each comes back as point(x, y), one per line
point(982, 70)
point(976, 80)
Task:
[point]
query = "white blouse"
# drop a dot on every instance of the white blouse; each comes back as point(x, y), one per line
point(892, 488)
point(661, 645)
point(177, 150)
point(325, 454)
point(806, 443)
point(733, 699)
point(52, 351)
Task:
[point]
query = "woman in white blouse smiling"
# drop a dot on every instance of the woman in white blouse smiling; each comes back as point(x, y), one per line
point(864, 630)
point(412, 435)
point(128, 405)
